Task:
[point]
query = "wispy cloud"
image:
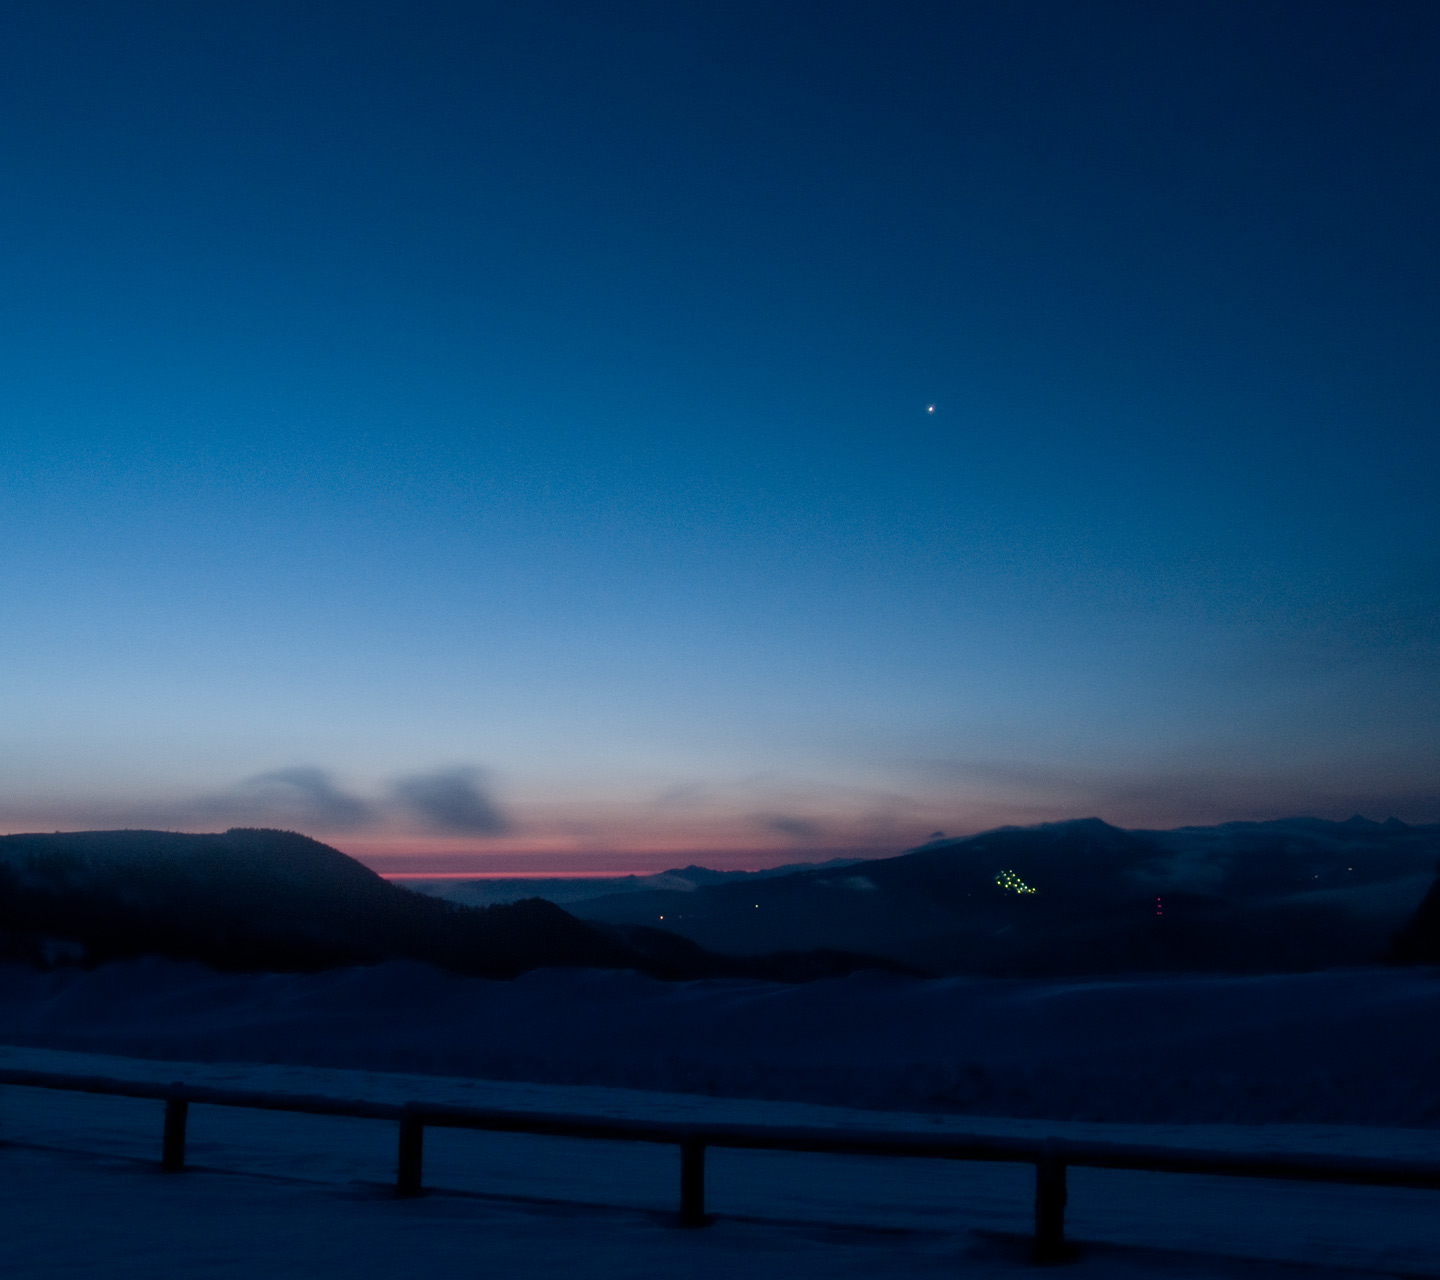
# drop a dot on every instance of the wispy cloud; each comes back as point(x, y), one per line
point(680, 795)
point(788, 825)
point(452, 800)
point(301, 797)
point(1001, 791)
point(308, 792)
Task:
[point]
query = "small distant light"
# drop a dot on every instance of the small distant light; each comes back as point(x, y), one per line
point(929, 408)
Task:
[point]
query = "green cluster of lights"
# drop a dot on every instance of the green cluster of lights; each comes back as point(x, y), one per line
point(1009, 880)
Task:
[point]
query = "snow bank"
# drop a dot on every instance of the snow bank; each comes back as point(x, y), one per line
point(280, 1194)
point(1346, 1047)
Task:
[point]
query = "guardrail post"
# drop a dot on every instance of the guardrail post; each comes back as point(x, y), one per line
point(1049, 1206)
point(692, 1182)
point(172, 1145)
point(412, 1145)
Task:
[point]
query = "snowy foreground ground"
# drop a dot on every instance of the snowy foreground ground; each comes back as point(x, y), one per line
point(1348, 1046)
point(282, 1195)
point(1343, 1062)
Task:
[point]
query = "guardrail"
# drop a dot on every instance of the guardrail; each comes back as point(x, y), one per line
point(1051, 1157)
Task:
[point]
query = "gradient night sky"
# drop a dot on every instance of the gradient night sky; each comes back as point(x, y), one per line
point(505, 428)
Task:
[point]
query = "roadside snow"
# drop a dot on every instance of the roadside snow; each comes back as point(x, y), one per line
point(1344, 1047)
point(1339, 1062)
point(279, 1195)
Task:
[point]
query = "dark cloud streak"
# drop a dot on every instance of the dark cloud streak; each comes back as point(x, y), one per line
point(795, 828)
point(309, 791)
point(452, 800)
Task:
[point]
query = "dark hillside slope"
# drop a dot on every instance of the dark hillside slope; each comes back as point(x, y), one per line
point(275, 900)
point(1083, 897)
point(252, 899)
point(1419, 941)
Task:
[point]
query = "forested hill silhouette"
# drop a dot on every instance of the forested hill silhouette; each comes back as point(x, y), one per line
point(1083, 897)
point(1419, 941)
point(275, 900)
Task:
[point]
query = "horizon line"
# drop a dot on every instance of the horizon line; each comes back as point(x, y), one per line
point(511, 875)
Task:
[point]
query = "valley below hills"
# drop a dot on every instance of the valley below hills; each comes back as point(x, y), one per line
point(260, 900)
point(1062, 899)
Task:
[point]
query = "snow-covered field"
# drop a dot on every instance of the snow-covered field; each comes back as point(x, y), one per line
point(276, 1194)
point(1343, 1062)
point(1353, 1047)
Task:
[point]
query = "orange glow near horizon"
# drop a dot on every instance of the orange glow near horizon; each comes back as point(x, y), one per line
point(473, 864)
point(509, 875)
point(605, 849)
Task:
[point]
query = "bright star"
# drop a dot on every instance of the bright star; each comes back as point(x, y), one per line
point(929, 408)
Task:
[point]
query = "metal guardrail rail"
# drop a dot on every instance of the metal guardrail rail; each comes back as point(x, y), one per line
point(1050, 1156)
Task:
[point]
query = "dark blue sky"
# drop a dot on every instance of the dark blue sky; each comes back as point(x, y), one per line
point(508, 427)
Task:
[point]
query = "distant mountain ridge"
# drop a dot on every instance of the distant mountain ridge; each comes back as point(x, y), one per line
point(1083, 897)
point(1058, 900)
point(252, 899)
point(567, 890)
